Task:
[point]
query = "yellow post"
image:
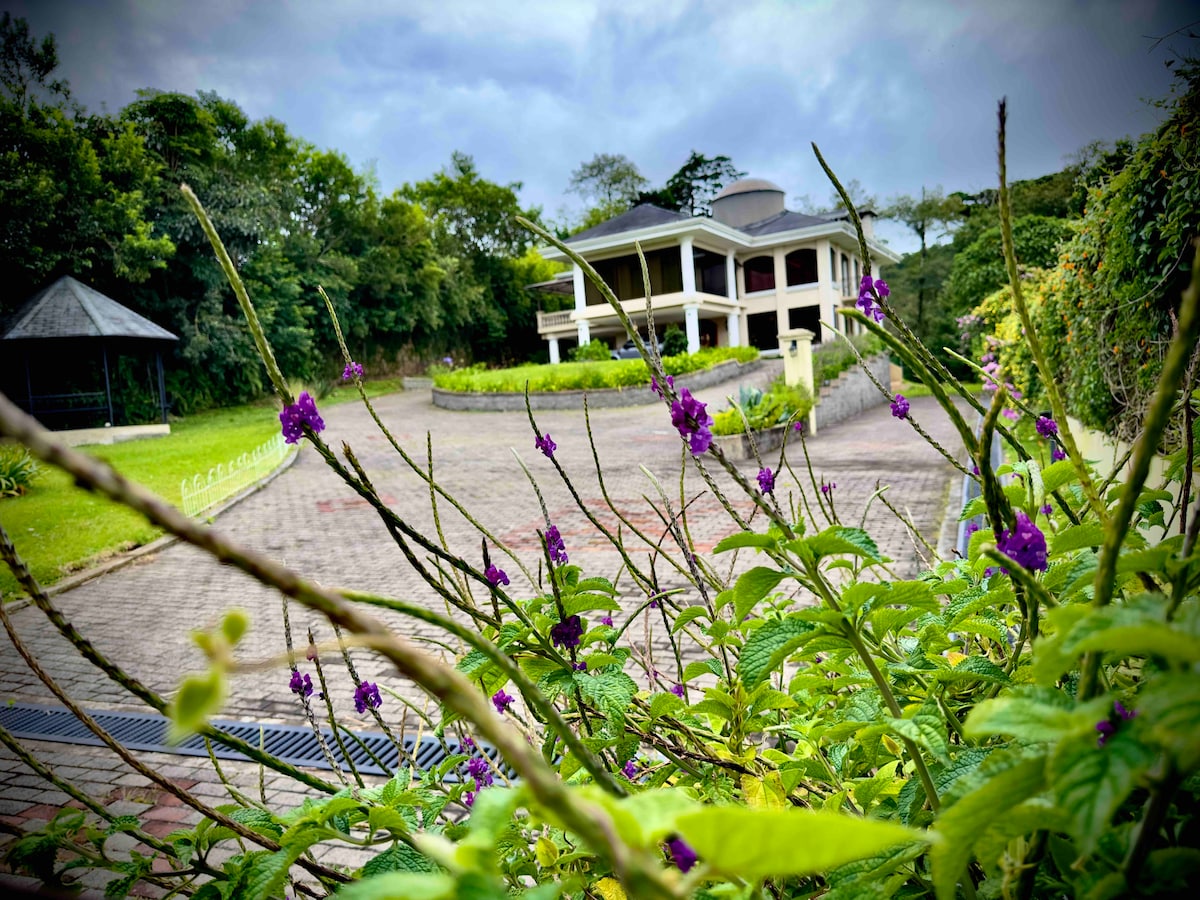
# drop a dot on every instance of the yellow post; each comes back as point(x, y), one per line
point(795, 346)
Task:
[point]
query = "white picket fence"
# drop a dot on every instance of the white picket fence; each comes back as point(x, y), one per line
point(201, 493)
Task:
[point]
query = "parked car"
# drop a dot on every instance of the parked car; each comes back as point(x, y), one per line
point(629, 350)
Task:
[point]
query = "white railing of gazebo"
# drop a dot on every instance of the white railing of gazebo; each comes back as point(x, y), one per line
point(201, 493)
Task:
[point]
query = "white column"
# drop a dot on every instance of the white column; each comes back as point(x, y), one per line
point(691, 321)
point(733, 328)
point(730, 277)
point(580, 294)
point(585, 333)
point(554, 358)
point(689, 267)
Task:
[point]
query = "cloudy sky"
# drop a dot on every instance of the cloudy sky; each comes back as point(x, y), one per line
point(897, 94)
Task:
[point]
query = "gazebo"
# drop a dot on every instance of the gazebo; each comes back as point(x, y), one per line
point(59, 342)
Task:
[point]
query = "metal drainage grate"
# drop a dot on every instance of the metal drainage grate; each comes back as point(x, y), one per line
point(294, 744)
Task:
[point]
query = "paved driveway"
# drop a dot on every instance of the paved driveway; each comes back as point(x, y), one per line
point(141, 615)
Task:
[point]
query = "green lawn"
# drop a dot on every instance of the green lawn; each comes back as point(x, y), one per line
point(59, 528)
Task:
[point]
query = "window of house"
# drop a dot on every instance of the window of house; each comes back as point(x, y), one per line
point(624, 275)
point(763, 330)
point(857, 272)
point(760, 274)
point(710, 272)
point(806, 317)
point(845, 273)
point(801, 267)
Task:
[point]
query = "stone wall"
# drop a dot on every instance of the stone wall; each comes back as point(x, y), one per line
point(852, 392)
point(602, 398)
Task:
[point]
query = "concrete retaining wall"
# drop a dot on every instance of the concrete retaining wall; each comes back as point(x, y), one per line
point(602, 398)
point(852, 392)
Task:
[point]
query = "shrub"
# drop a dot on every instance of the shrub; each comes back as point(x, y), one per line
point(674, 341)
point(834, 357)
point(17, 470)
point(594, 351)
point(764, 409)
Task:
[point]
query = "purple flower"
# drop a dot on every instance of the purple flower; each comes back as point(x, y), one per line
point(448, 360)
point(301, 685)
point(691, 419)
point(972, 527)
point(826, 488)
point(799, 426)
point(1057, 453)
point(654, 385)
point(546, 445)
point(502, 701)
point(654, 604)
point(352, 370)
point(293, 418)
point(366, 696)
point(900, 407)
point(766, 481)
point(554, 544)
point(579, 666)
point(1025, 544)
point(677, 690)
point(606, 620)
point(866, 298)
point(681, 854)
point(1011, 414)
point(567, 632)
point(468, 744)
point(1048, 509)
point(468, 799)
point(629, 770)
point(1108, 727)
point(989, 571)
point(478, 769)
point(1046, 426)
point(495, 575)
point(974, 470)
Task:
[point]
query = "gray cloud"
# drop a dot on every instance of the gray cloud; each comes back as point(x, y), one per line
point(897, 94)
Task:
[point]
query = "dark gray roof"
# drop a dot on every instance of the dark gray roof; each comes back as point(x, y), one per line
point(645, 216)
point(70, 309)
point(784, 221)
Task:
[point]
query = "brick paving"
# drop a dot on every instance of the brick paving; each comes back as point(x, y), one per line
point(141, 615)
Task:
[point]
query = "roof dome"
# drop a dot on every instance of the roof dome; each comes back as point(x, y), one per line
point(747, 185)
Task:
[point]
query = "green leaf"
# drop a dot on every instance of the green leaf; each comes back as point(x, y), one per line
point(710, 666)
point(199, 697)
point(973, 668)
point(925, 731)
point(1089, 534)
point(664, 704)
point(611, 692)
point(961, 824)
point(840, 539)
point(1040, 716)
point(752, 586)
point(759, 843)
point(384, 818)
point(398, 858)
point(688, 615)
point(234, 625)
point(768, 646)
point(409, 885)
point(1169, 707)
point(1057, 475)
point(1090, 782)
point(745, 539)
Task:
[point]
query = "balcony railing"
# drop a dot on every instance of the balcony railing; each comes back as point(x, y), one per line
point(558, 319)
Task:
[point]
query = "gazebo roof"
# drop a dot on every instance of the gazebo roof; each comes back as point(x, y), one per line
point(71, 309)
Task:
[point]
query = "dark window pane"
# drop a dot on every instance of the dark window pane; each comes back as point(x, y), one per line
point(763, 330)
point(801, 267)
point(760, 274)
point(806, 317)
point(710, 272)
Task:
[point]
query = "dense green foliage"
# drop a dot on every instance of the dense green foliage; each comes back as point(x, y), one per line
point(436, 266)
point(1106, 302)
point(777, 405)
point(17, 470)
point(575, 376)
point(592, 351)
point(674, 341)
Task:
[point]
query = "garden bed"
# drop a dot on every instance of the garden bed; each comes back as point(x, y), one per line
point(636, 394)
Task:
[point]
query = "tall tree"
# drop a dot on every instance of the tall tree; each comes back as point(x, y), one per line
point(609, 180)
point(858, 196)
point(699, 180)
point(932, 214)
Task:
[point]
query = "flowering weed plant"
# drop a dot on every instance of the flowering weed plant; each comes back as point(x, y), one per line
point(1020, 720)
